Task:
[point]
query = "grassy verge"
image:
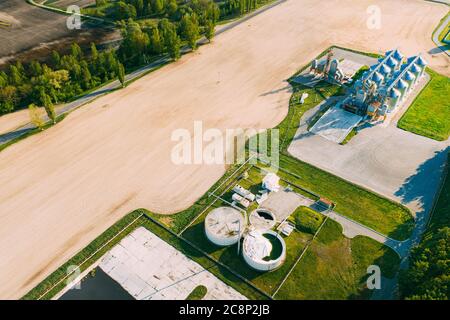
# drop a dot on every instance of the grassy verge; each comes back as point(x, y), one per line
point(31, 132)
point(363, 206)
point(334, 267)
point(289, 126)
point(429, 114)
point(444, 35)
point(349, 137)
point(89, 254)
point(177, 222)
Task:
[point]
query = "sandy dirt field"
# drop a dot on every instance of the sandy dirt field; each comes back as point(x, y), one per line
point(12, 121)
point(63, 187)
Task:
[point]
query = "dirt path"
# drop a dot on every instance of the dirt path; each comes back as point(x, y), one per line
point(62, 188)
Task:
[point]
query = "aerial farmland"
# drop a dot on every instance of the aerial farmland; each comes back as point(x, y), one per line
point(98, 182)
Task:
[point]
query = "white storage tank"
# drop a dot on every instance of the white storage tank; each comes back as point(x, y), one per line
point(224, 226)
point(264, 251)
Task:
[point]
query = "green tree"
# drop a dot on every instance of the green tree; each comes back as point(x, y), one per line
point(134, 44)
point(121, 73)
point(3, 79)
point(124, 11)
point(172, 41)
point(139, 5)
point(8, 98)
point(428, 277)
point(209, 30)
point(48, 105)
point(86, 76)
point(156, 46)
point(171, 7)
point(158, 6)
point(94, 52)
point(190, 30)
point(15, 75)
point(76, 51)
point(56, 58)
point(35, 68)
point(35, 116)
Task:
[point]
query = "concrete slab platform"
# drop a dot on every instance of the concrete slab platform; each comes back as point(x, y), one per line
point(149, 268)
point(336, 124)
point(284, 202)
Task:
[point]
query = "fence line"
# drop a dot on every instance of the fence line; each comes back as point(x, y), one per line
point(237, 275)
point(299, 258)
point(89, 257)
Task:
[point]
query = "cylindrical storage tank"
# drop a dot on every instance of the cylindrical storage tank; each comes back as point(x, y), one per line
point(410, 78)
point(402, 87)
point(224, 226)
point(264, 251)
point(262, 219)
point(394, 99)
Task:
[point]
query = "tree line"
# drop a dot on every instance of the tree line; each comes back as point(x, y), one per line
point(428, 275)
point(67, 76)
point(60, 80)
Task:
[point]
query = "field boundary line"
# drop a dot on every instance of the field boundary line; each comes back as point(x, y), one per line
point(239, 168)
point(90, 256)
point(212, 203)
point(300, 257)
point(236, 274)
point(64, 12)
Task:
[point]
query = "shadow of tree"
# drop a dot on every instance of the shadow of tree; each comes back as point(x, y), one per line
point(439, 49)
point(421, 186)
point(287, 88)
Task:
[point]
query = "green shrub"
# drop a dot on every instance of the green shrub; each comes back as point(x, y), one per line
point(307, 220)
point(198, 293)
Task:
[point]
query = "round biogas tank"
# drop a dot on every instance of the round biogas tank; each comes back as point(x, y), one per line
point(224, 226)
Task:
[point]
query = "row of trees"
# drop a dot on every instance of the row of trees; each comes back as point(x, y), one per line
point(69, 75)
point(63, 78)
point(428, 276)
point(143, 40)
point(135, 9)
point(239, 7)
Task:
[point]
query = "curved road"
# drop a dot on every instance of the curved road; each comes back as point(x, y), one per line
point(436, 34)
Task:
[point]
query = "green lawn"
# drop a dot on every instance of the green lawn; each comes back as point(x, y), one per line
point(429, 114)
point(266, 281)
point(288, 127)
point(368, 208)
point(335, 267)
point(307, 220)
